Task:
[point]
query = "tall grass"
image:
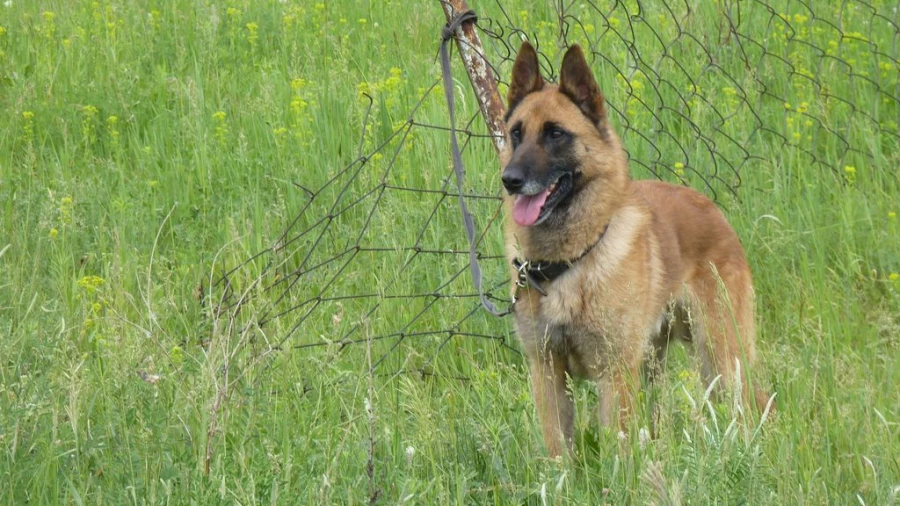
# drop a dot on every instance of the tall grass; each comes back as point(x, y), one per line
point(144, 143)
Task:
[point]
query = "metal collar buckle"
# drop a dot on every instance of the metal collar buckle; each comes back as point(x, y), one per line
point(524, 279)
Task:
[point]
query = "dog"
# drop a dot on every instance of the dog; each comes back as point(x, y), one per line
point(607, 271)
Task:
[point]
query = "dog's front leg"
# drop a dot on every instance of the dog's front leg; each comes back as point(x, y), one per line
point(548, 381)
point(616, 388)
point(554, 405)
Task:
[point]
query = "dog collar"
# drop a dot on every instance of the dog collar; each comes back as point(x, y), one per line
point(530, 273)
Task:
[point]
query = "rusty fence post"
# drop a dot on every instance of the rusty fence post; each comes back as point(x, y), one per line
point(480, 74)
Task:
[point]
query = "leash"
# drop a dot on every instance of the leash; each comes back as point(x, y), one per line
point(446, 34)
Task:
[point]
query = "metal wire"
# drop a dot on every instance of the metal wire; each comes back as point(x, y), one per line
point(659, 59)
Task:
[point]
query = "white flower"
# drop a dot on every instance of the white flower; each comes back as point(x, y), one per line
point(643, 437)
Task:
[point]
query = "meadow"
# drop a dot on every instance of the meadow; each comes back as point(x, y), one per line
point(149, 148)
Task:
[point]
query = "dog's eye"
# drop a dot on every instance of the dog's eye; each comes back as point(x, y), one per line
point(516, 134)
point(557, 133)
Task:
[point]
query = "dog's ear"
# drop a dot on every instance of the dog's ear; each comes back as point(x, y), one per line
point(526, 76)
point(577, 82)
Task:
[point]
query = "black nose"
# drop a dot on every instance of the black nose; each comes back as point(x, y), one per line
point(513, 179)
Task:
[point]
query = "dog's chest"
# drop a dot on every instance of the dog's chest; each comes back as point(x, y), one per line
point(579, 299)
point(594, 316)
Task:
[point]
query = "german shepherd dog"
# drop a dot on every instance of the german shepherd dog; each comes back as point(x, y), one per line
point(608, 270)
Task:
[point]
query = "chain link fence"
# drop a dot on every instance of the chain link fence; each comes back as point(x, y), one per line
point(702, 93)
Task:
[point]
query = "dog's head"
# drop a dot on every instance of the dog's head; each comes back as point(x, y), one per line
point(558, 138)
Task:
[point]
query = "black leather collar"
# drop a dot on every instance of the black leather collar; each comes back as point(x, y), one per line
point(530, 273)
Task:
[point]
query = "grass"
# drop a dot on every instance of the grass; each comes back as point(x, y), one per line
point(145, 146)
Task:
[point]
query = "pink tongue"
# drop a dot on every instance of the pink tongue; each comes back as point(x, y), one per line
point(527, 208)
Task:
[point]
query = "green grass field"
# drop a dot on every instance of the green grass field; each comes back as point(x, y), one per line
point(147, 146)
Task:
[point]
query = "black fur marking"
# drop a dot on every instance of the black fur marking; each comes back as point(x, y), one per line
point(521, 129)
point(550, 128)
point(559, 150)
point(509, 112)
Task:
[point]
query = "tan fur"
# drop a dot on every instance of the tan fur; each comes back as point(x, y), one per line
point(669, 265)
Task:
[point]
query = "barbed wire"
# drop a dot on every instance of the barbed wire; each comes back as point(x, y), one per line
point(691, 94)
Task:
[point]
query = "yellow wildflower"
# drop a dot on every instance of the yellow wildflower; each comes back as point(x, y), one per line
point(252, 33)
point(91, 284)
point(177, 355)
point(111, 125)
point(154, 17)
point(365, 88)
point(298, 105)
point(221, 127)
point(66, 206)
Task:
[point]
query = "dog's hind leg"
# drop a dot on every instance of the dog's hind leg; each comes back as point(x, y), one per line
point(673, 327)
point(723, 329)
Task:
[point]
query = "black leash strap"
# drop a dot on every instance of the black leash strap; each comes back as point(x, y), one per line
point(447, 34)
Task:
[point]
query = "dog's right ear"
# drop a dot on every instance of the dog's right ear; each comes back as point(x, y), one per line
point(526, 76)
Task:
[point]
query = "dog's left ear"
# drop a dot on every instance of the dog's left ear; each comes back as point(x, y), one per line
point(577, 82)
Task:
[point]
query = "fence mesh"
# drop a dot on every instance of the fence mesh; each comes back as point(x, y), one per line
point(701, 94)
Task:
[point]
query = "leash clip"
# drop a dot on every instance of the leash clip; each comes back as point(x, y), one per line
point(522, 276)
point(524, 279)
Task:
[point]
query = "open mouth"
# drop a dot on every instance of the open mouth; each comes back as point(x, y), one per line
point(530, 210)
